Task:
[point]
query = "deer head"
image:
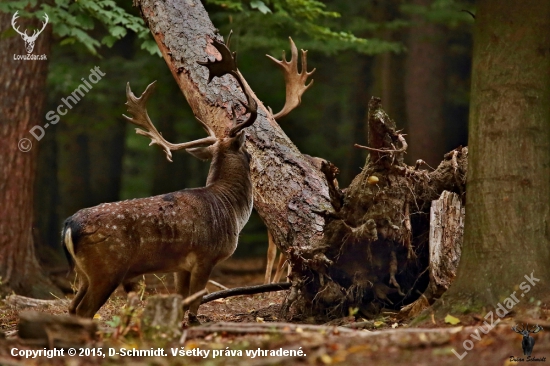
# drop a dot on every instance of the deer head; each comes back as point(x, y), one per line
point(186, 232)
point(29, 40)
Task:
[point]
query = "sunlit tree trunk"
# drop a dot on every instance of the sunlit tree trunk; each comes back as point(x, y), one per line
point(21, 101)
point(507, 229)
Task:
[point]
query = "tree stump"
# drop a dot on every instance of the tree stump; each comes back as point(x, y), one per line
point(446, 232)
point(162, 317)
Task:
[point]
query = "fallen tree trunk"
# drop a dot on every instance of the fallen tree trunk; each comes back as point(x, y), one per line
point(365, 248)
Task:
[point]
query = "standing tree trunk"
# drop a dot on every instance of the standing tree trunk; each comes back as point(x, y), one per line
point(425, 89)
point(331, 238)
point(507, 229)
point(21, 105)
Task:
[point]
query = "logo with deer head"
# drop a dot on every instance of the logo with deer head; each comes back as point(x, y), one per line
point(29, 40)
point(527, 342)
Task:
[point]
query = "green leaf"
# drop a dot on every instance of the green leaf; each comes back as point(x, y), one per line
point(108, 41)
point(451, 320)
point(260, 5)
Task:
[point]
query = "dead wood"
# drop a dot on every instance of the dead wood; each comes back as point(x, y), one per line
point(376, 252)
point(248, 290)
point(56, 330)
point(278, 328)
point(162, 314)
point(22, 302)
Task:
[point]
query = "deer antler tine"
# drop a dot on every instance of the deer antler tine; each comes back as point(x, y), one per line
point(295, 80)
point(228, 65)
point(207, 128)
point(228, 42)
point(140, 117)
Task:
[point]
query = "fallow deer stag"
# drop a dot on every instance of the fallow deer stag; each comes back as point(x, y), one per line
point(186, 232)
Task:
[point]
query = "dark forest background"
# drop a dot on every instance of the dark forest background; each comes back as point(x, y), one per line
point(414, 54)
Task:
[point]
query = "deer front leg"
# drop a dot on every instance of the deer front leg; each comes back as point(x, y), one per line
point(198, 280)
point(182, 285)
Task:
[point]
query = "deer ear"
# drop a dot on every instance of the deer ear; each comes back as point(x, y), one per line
point(203, 153)
point(238, 141)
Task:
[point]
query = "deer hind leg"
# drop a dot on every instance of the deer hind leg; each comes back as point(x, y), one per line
point(197, 282)
point(82, 289)
point(280, 268)
point(98, 292)
point(271, 256)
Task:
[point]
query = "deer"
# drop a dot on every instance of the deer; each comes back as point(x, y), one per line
point(527, 342)
point(186, 232)
point(29, 40)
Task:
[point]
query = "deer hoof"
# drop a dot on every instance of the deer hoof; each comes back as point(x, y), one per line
point(192, 320)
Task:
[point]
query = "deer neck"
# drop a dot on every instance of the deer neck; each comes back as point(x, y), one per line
point(229, 178)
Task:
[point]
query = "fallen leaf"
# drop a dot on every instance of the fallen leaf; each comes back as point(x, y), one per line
point(259, 320)
point(394, 325)
point(451, 320)
point(326, 359)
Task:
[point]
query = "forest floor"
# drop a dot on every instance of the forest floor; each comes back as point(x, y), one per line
point(383, 341)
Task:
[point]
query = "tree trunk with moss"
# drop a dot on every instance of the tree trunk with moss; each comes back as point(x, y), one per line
point(363, 248)
point(507, 228)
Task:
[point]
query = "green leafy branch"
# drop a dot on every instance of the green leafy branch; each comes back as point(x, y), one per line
point(76, 22)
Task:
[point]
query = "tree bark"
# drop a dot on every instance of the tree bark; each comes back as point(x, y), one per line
point(21, 105)
point(289, 192)
point(507, 228)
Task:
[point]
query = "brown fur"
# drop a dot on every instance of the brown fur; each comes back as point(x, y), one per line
point(186, 232)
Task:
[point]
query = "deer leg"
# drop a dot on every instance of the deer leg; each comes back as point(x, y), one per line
point(280, 268)
point(271, 256)
point(97, 294)
point(182, 285)
point(83, 288)
point(198, 281)
point(131, 285)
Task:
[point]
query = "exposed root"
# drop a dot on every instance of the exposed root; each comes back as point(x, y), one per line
point(393, 271)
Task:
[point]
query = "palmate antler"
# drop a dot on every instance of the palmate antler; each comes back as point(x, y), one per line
point(228, 65)
point(136, 107)
point(140, 117)
point(295, 81)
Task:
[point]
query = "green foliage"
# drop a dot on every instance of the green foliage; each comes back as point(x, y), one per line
point(268, 23)
point(77, 22)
